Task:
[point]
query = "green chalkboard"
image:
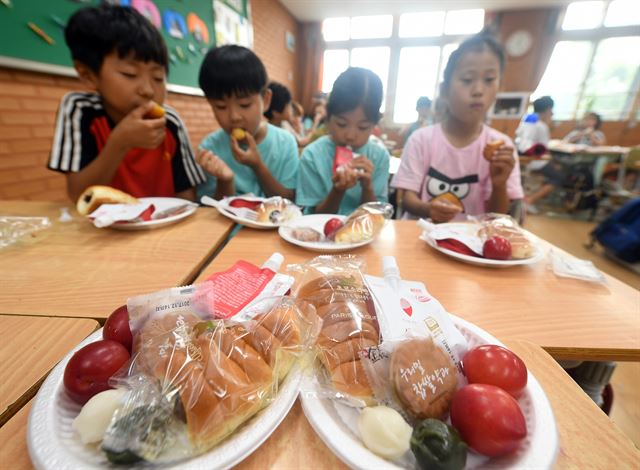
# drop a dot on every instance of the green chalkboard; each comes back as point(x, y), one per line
point(21, 47)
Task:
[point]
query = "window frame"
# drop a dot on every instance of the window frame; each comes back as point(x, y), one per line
point(595, 36)
point(395, 44)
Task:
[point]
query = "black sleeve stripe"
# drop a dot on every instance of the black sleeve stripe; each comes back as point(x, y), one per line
point(66, 153)
point(195, 174)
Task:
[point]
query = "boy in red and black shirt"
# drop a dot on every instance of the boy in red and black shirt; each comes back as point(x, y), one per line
point(106, 137)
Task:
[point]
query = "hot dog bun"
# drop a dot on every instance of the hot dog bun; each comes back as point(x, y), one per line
point(94, 196)
point(272, 210)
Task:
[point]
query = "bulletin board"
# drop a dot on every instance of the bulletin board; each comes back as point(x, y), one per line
point(189, 27)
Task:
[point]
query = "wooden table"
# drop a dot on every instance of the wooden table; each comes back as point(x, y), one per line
point(588, 438)
point(30, 347)
point(74, 269)
point(571, 319)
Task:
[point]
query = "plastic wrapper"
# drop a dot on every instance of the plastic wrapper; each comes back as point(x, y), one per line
point(335, 286)
point(13, 229)
point(196, 378)
point(506, 227)
point(364, 223)
point(414, 375)
point(565, 265)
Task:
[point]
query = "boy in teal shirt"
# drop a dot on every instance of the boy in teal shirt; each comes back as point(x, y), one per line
point(353, 110)
point(247, 155)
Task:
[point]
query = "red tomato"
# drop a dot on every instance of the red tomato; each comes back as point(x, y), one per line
point(90, 368)
point(497, 248)
point(116, 328)
point(331, 227)
point(489, 419)
point(494, 365)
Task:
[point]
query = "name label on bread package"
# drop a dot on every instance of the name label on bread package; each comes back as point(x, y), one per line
point(408, 310)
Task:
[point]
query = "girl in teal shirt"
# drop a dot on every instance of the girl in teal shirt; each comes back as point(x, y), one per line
point(353, 110)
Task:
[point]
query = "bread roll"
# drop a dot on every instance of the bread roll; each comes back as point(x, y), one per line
point(94, 196)
point(223, 375)
point(350, 378)
point(423, 377)
point(156, 112)
point(272, 210)
point(491, 148)
point(359, 226)
point(239, 133)
point(349, 325)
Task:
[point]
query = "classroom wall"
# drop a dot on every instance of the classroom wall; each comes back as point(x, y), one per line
point(29, 101)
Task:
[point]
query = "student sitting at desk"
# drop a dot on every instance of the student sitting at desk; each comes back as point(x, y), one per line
point(107, 136)
point(587, 131)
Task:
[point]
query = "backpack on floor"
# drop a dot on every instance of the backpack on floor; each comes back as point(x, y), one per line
point(620, 232)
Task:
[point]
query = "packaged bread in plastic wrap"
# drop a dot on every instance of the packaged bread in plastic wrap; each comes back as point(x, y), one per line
point(335, 286)
point(195, 378)
point(364, 223)
point(414, 375)
point(504, 226)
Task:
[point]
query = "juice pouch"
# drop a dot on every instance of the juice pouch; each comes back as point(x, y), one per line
point(342, 157)
point(244, 283)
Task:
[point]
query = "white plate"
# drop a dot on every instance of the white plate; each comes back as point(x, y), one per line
point(492, 263)
point(316, 222)
point(161, 204)
point(54, 446)
point(538, 450)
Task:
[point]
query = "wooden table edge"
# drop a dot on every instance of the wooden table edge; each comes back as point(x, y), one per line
point(31, 392)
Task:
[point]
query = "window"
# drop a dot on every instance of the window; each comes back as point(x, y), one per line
point(421, 47)
point(583, 15)
point(375, 59)
point(419, 25)
point(609, 87)
point(366, 27)
point(464, 22)
point(594, 71)
point(622, 13)
point(335, 62)
point(335, 29)
point(415, 79)
point(565, 72)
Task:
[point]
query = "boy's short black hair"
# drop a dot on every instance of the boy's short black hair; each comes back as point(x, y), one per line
point(232, 70)
point(356, 87)
point(423, 102)
point(94, 32)
point(280, 98)
point(542, 104)
point(475, 43)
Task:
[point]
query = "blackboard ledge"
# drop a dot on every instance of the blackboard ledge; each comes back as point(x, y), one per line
point(12, 62)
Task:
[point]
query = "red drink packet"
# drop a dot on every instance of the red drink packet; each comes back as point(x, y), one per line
point(342, 156)
point(456, 245)
point(238, 202)
point(236, 287)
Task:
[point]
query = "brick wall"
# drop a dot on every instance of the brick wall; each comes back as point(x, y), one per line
point(29, 101)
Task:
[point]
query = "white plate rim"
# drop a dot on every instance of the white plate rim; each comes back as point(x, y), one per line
point(48, 452)
point(317, 219)
point(492, 263)
point(151, 224)
point(544, 445)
